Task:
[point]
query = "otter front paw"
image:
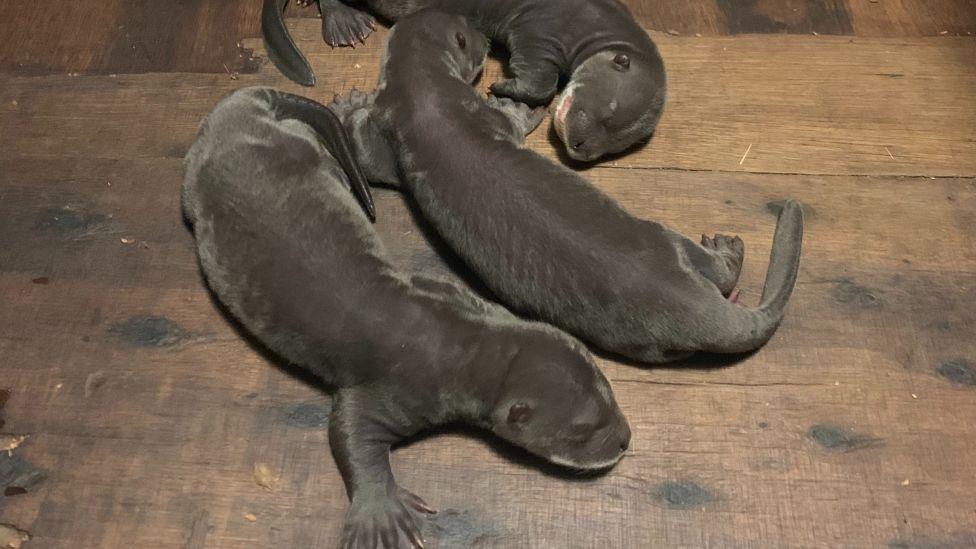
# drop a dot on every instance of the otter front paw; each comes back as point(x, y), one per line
point(344, 105)
point(385, 521)
point(524, 118)
point(343, 25)
point(524, 90)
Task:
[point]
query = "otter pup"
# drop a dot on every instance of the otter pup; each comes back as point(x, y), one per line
point(617, 83)
point(283, 246)
point(542, 238)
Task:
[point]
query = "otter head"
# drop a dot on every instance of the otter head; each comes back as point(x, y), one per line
point(460, 46)
point(556, 404)
point(613, 101)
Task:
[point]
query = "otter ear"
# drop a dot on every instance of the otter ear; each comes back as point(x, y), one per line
point(461, 40)
point(621, 62)
point(519, 413)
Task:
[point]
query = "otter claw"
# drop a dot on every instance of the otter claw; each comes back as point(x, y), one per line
point(386, 521)
point(344, 26)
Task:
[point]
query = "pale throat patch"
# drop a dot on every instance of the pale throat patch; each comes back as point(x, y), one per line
point(563, 105)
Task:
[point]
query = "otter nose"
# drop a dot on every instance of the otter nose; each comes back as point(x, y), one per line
point(625, 440)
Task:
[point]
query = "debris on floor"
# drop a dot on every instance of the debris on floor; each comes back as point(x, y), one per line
point(9, 443)
point(265, 476)
point(12, 537)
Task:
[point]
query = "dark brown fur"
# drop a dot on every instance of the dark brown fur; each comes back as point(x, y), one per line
point(541, 237)
point(283, 245)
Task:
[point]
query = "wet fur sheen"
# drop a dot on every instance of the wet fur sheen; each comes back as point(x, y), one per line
point(285, 246)
point(543, 239)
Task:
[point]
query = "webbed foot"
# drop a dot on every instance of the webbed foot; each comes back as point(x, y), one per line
point(344, 105)
point(730, 250)
point(344, 26)
point(389, 522)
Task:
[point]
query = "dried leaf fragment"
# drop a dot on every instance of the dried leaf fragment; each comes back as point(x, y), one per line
point(9, 443)
point(264, 476)
point(250, 517)
point(12, 537)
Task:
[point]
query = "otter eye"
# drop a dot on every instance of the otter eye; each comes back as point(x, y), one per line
point(581, 429)
point(461, 40)
point(621, 62)
point(519, 412)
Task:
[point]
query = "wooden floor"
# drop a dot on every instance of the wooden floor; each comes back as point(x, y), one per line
point(146, 415)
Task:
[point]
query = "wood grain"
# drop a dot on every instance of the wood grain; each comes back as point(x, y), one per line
point(147, 410)
point(879, 108)
point(818, 105)
point(134, 37)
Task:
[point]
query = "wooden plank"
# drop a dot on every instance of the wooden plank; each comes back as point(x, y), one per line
point(913, 17)
point(143, 402)
point(771, 449)
point(38, 38)
point(126, 37)
point(83, 217)
point(791, 16)
point(819, 106)
point(784, 448)
point(687, 18)
point(123, 37)
point(203, 36)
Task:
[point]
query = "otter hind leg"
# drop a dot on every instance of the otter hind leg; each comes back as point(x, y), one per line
point(719, 259)
point(343, 25)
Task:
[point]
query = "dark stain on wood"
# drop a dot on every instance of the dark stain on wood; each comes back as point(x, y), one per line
point(457, 529)
point(4, 396)
point(150, 331)
point(838, 439)
point(94, 382)
point(309, 415)
point(851, 294)
point(199, 530)
point(682, 494)
point(11, 491)
point(959, 371)
point(41, 280)
point(16, 471)
point(68, 220)
point(793, 16)
point(941, 326)
point(956, 540)
point(176, 151)
point(891, 74)
point(249, 63)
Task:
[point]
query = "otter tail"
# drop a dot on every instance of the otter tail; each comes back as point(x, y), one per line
point(334, 136)
point(281, 48)
point(741, 329)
